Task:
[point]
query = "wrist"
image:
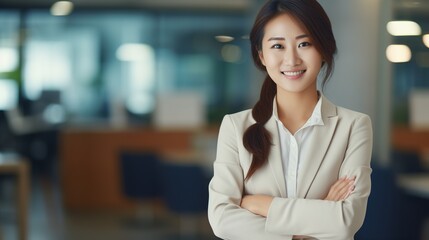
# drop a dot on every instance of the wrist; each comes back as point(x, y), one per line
point(263, 205)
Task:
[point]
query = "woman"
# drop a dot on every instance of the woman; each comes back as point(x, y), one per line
point(295, 166)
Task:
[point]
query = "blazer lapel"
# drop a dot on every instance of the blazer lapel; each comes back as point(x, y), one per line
point(318, 143)
point(275, 160)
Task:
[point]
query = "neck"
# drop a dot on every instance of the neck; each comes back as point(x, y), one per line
point(296, 107)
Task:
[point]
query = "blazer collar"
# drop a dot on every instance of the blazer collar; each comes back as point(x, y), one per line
point(274, 158)
point(319, 142)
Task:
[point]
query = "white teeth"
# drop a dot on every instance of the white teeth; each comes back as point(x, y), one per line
point(293, 73)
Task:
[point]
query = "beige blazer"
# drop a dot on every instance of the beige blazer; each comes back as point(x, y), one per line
point(342, 147)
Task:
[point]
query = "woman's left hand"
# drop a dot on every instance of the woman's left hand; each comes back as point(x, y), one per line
point(257, 204)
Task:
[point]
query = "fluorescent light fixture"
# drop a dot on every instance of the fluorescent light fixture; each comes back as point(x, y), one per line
point(397, 53)
point(224, 38)
point(62, 8)
point(426, 40)
point(403, 28)
point(134, 52)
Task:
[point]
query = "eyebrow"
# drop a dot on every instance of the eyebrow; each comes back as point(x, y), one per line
point(282, 38)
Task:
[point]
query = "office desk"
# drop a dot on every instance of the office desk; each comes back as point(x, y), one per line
point(89, 163)
point(13, 164)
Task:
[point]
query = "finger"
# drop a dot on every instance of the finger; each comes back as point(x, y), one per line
point(348, 190)
point(336, 191)
point(341, 193)
point(342, 189)
point(339, 183)
point(352, 188)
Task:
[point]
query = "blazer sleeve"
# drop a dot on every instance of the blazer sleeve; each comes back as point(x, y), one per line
point(227, 219)
point(329, 219)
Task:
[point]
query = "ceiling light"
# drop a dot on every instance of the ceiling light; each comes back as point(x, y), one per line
point(62, 8)
point(224, 38)
point(403, 28)
point(397, 53)
point(426, 40)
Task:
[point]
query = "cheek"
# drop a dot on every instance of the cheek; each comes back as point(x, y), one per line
point(270, 60)
point(314, 60)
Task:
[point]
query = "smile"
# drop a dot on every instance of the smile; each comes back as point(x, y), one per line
point(294, 73)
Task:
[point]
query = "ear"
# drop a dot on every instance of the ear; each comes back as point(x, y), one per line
point(261, 57)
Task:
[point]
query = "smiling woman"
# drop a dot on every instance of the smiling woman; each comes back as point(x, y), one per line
point(295, 166)
point(289, 56)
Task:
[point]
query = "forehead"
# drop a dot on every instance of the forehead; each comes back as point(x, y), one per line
point(284, 25)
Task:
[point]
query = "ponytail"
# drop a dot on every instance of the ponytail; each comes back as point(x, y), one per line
point(257, 140)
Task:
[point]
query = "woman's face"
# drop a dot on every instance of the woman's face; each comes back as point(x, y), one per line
point(290, 57)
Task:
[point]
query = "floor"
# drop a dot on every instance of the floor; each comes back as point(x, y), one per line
point(49, 221)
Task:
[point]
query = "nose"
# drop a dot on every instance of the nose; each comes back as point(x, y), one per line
point(292, 58)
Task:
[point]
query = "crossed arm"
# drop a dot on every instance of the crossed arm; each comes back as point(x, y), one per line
point(260, 204)
point(338, 216)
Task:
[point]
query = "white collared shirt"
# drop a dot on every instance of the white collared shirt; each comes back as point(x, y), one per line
point(294, 147)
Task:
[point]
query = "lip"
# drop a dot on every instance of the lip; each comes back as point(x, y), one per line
point(293, 75)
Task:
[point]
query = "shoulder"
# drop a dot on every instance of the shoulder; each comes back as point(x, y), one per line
point(239, 121)
point(354, 120)
point(349, 114)
point(345, 114)
point(242, 116)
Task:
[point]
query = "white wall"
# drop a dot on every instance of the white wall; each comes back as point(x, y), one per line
point(355, 26)
point(361, 77)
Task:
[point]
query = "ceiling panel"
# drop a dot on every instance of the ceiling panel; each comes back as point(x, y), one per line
point(181, 4)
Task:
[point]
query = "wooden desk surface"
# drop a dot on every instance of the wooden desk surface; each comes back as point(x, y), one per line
point(408, 139)
point(89, 163)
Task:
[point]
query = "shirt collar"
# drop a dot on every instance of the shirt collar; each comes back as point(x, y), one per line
point(315, 118)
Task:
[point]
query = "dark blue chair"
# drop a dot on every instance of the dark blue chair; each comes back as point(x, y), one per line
point(392, 214)
point(185, 192)
point(406, 162)
point(140, 175)
point(185, 188)
point(383, 200)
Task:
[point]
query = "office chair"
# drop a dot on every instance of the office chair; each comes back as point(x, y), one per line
point(140, 175)
point(185, 192)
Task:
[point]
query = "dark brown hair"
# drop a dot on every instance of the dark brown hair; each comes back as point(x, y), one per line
point(257, 140)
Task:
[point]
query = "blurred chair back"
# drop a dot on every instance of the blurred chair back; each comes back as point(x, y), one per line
point(185, 191)
point(406, 162)
point(380, 214)
point(140, 174)
point(185, 188)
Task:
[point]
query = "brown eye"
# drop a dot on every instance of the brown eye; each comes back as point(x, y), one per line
point(277, 46)
point(304, 44)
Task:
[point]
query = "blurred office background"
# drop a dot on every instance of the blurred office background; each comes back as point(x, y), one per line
point(114, 108)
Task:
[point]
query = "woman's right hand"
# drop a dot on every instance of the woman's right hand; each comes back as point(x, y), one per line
point(341, 189)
